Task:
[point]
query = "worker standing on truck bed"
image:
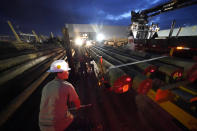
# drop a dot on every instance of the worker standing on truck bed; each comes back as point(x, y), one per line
point(54, 114)
point(131, 44)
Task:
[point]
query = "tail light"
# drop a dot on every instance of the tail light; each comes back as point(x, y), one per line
point(177, 75)
point(122, 84)
point(152, 70)
point(148, 71)
point(163, 95)
point(145, 86)
point(128, 79)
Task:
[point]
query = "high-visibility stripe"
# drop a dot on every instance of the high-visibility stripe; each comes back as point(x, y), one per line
point(183, 117)
point(188, 90)
point(171, 51)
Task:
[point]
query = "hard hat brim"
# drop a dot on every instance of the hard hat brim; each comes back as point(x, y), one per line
point(58, 70)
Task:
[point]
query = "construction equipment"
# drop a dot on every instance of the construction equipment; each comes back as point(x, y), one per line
point(144, 68)
point(139, 20)
point(27, 37)
point(146, 37)
point(172, 94)
point(51, 35)
point(146, 65)
point(36, 36)
point(121, 79)
point(14, 32)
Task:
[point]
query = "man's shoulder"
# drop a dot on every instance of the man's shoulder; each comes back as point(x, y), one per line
point(67, 84)
point(54, 82)
point(49, 83)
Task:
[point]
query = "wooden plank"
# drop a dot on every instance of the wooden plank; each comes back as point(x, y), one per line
point(183, 117)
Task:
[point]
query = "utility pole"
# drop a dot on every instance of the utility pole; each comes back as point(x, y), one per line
point(52, 36)
point(67, 45)
point(14, 32)
point(178, 31)
point(170, 35)
point(172, 29)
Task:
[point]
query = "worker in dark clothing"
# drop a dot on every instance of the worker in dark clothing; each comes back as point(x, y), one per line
point(54, 114)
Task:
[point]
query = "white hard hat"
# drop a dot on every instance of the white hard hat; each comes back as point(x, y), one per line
point(59, 66)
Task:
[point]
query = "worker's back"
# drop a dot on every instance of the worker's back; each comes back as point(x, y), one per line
point(53, 106)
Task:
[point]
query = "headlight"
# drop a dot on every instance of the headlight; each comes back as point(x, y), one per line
point(100, 37)
point(88, 43)
point(79, 41)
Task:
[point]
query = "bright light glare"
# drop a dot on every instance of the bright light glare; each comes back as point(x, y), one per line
point(88, 43)
point(152, 70)
point(182, 48)
point(179, 48)
point(128, 79)
point(100, 37)
point(78, 41)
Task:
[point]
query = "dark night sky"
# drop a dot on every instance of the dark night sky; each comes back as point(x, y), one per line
point(45, 16)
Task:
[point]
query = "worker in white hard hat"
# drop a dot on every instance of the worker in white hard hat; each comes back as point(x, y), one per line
point(54, 114)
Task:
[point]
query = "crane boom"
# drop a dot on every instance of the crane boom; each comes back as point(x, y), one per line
point(14, 32)
point(169, 6)
point(36, 36)
point(139, 20)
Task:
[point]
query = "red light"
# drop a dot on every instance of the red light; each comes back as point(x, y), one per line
point(175, 75)
point(101, 60)
point(163, 95)
point(180, 74)
point(128, 79)
point(145, 86)
point(119, 89)
point(122, 84)
point(152, 70)
point(123, 89)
